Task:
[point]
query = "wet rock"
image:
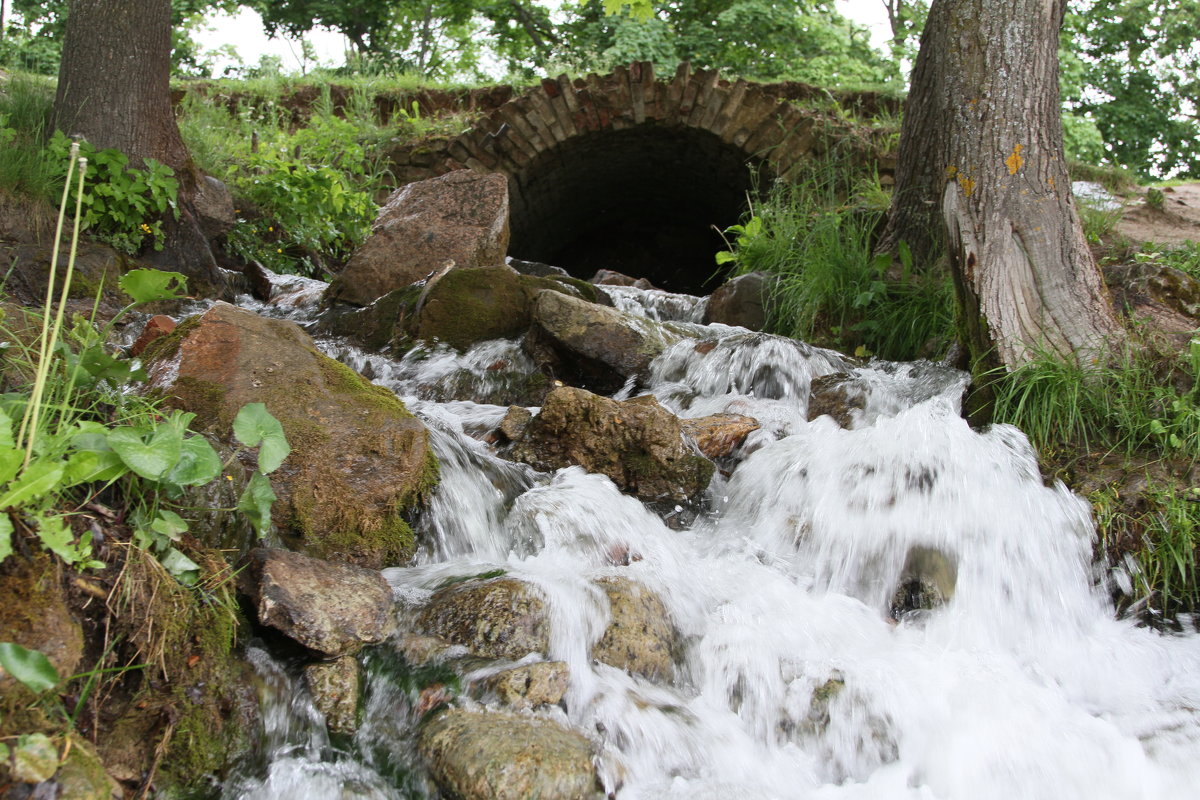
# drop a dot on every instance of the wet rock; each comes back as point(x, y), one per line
point(496, 618)
point(718, 435)
point(926, 582)
point(36, 615)
point(335, 688)
point(1166, 298)
point(741, 301)
point(466, 306)
point(359, 458)
point(608, 277)
point(461, 216)
point(502, 756)
point(602, 346)
point(640, 637)
point(420, 651)
point(536, 268)
point(530, 685)
point(637, 443)
point(838, 396)
point(334, 609)
point(515, 421)
point(158, 326)
point(386, 324)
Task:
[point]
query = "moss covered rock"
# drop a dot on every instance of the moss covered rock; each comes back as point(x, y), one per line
point(638, 444)
point(496, 618)
point(359, 459)
point(502, 756)
point(640, 637)
point(36, 615)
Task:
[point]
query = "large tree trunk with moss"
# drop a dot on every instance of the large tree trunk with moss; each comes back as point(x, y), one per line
point(981, 164)
point(114, 91)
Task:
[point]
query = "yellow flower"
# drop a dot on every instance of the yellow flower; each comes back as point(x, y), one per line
point(270, 229)
point(145, 228)
point(279, 250)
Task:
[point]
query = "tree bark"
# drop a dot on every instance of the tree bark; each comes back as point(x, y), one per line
point(981, 169)
point(114, 91)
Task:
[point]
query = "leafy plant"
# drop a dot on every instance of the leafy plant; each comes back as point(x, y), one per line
point(123, 206)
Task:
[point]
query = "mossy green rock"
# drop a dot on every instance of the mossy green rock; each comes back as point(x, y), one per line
point(640, 637)
point(503, 756)
point(359, 459)
point(470, 305)
point(638, 444)
point(497, 618)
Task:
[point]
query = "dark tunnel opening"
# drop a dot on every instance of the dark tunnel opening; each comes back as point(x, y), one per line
point(647, 201)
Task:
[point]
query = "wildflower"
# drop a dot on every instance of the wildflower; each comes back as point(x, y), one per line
point(279, 250)
point(270, 229)
point(145, 228)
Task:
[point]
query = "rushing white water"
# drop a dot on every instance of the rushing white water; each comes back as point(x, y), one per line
point(795, 682)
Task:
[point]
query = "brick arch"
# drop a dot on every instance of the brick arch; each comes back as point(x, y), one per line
point(633, 173)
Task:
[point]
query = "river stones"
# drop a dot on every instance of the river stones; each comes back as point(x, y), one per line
point(638, 444)
point(639, 638)
point(927, 581)
point(529, 685)
point(335, 687)
point(496, 618)
point(741, 301)
point(476, 755)
point(334, 609)
point(718, 435)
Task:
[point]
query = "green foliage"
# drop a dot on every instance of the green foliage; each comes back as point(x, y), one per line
point(832, 288)
point(123, 206)
point(1136, 77)
point(803, 40)
point(304, 193)
point(30, 667)
point(25, 106)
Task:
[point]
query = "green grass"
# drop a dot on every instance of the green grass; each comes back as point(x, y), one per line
point(817, 236)
point(26, 102)
point(1142, 408)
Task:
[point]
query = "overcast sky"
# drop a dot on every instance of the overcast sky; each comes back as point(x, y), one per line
point(244, 31)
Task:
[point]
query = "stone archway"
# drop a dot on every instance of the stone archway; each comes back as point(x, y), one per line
point(627, 172)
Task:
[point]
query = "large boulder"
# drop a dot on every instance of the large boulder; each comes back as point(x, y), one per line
point(640, 637)
point(494, 618)
point(637, 443)
point(466, 306)
point(334, 609)
point(741, 301)
point(359, 458)
point(504, 756)
point(460, 217)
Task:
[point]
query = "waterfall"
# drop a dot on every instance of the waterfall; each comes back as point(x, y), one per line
point(799, 676)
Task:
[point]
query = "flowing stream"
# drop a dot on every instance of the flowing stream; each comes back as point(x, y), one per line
point(795, 681)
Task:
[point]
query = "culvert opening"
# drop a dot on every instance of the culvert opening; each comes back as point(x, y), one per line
point(647, 201)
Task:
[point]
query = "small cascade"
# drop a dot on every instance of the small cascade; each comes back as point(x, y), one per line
point(801, 665)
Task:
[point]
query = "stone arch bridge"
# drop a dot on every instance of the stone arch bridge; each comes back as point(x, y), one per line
point(629, 172)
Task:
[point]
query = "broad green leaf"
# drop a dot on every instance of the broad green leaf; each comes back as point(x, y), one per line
point(102, 366)
point(169, 524)
point(89, 466)
point(6, 423)
point(256, 501)
point(150, 454)
point(145, 285)
point(6, 531)
point(38, 480)
point(180, 566)
point(35, 758)
point(198, 463)
point(724, 257)
point(254, 425)
point(58, 538)
point(30, 667)
point(10, 463)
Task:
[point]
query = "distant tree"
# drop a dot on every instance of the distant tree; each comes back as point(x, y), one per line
point(981, 171)
point(767, 39)
point(114, 91)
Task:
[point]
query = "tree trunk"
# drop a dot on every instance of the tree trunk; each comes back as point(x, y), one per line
point(981, 152)
point(114, 91)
